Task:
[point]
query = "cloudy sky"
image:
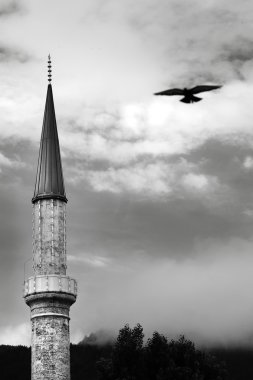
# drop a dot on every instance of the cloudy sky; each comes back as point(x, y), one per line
point(160, 212)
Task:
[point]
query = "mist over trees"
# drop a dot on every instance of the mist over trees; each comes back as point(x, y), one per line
point(129, 358)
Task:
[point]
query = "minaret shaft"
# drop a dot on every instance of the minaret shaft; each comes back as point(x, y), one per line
point(49, 237)
point(50, 292)
point(50, 335)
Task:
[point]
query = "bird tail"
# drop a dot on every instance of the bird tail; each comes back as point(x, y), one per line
point(186, 99)
point(195, 99)
point(190, 99)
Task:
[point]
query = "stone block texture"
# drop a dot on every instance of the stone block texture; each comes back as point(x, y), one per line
point(49, 237)
point(50, 335)
point(50, 348)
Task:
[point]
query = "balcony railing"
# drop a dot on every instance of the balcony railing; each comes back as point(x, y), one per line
point(50, 283)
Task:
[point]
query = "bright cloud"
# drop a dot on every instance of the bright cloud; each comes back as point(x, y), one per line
point(159, 179)
point(90, 260)
point(195, 181)
point(15, 335)
point(137, 179)
point(248, 162)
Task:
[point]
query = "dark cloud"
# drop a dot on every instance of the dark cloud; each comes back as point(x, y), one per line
point(121, 226)
point(232, 163)
point(237, 53)
point(8, 54)
point(241, 50)
point(207, 42)
point(8, 8)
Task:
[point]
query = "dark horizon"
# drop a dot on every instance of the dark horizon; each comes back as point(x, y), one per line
point(238, 362)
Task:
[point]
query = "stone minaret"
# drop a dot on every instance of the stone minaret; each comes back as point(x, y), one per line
point(50, 292)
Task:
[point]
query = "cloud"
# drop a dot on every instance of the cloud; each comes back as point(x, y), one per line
point(240, 51)
point(200, 296)
point(183, 41)
point(179, 43)
point(141, 179)
point(124, 132)
point(10, 7)
point(90, 260)
point(8, 54)
point(7, 162)
point(198, 182)
point(248, 162)
point(4, 161)
point(143, 142)
point(16, 335)
point(158, 179)
point(99, 337)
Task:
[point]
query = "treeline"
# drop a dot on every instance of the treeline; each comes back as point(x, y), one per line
point(129, 353)
point(157, 359)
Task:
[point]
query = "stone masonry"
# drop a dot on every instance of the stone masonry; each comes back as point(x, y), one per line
point(49, 237)
point(50, 335)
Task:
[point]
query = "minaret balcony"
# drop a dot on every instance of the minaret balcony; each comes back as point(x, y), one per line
point(50, 283)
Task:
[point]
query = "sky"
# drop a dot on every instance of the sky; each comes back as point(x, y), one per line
point(160, 211)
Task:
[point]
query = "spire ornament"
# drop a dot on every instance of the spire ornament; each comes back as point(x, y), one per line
point(49, 69)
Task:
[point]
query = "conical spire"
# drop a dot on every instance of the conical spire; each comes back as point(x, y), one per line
point(49, 180)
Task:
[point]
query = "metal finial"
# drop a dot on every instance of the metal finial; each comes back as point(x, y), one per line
point(49, 69)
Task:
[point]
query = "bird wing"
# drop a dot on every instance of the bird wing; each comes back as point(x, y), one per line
point(173, 91)
point(198, 89)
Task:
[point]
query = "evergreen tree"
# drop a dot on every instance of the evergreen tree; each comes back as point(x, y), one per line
point(158, 359)
point(156, 355)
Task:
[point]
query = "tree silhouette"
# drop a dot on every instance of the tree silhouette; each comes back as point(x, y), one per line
point(156, 355)
point(158, 359)
point(127, 356)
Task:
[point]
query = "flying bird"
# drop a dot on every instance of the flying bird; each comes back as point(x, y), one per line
point(188, 93)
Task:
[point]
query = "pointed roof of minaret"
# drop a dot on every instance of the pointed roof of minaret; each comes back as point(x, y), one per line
point(49, 180)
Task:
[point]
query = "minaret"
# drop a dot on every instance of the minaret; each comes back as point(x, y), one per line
point(50, 292)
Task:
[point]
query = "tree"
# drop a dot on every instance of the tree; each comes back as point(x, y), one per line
point(127, 353)
point(156, 355)
point(126, 360)
point(158, 359)
point(180, 360)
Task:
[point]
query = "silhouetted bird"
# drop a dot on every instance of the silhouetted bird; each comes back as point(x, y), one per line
point(188, 93)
